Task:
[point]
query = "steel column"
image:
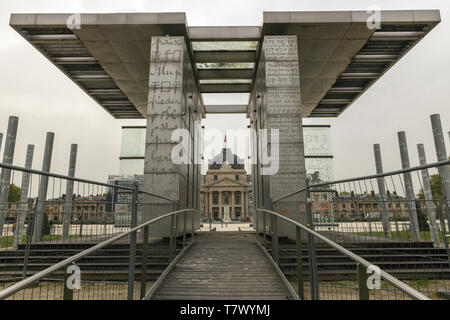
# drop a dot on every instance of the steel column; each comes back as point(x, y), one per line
point(8, 156)
point(382, 189)
point(23, 206)
point(184, 228)
point(275, 247)
point(430, 205)
point(300, 286)
point(144, 262)
point(42, 193)
point(363, 290)
point(172, 236)
point(313, 277)
point(69, 192)
point(132, 258)
point(68, 292)
point(409, 189)
point(441, 154)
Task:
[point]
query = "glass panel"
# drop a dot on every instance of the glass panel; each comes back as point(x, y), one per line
point(225, 65)
point(224, 45)
point(226, 81)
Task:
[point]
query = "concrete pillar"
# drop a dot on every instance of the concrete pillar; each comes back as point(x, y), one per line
point(277, 104)
point(43, 185)
point(69, 192)
point(23, 206)
point(8, 156)
point(173, 103)
point(430, 205)
point(409, 189)
point(441, 154)
point(382, 189)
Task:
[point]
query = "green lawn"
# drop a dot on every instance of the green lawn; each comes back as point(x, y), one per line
point(8, 241)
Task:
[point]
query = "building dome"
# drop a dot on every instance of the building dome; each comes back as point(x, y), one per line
point(226, 156)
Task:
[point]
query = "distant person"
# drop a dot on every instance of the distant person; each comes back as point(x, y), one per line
point(14, 227)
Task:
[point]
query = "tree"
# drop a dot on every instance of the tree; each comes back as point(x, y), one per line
point(436, 188)
point(14, 193)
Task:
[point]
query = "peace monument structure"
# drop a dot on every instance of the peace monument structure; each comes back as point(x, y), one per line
point(295, 65)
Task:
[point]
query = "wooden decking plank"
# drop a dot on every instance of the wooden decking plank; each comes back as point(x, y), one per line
point(223, 266)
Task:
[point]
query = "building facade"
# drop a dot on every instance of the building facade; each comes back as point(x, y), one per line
point(226, 187)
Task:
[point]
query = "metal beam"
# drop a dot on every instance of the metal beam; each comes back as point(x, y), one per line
point(359, 75)
point(374, 57)
point(72, 60)
point(224, 33)
point(224, 56)
point(225, 88)
point(396, 35)
point(218, 74)
point(53, 37)
point(237, 108)
point(346, 89)
point(335, 101)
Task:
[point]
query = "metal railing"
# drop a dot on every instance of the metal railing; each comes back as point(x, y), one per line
point(44, 231)
point(362, 264)
point(66, 292)
point(378, 217)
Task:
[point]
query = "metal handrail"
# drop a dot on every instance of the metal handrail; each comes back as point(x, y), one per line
point(412, 293)
point(41, 274)
point(159, 196)
point(373, 176)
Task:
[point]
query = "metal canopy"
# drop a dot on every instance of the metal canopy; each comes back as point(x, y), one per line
point(340, 58)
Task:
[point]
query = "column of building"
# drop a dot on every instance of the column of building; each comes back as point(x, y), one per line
point(277, 105)
point(173, 103)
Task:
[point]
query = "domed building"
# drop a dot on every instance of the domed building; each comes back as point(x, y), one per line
point(226, 186)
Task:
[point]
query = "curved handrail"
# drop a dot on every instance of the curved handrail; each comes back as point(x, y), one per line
point(158, 196)
point(412, 293)
point(41, 274)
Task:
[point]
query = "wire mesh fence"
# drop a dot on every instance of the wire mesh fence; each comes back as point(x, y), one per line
point(390, 220)
point(51, 218)
point(125, 266)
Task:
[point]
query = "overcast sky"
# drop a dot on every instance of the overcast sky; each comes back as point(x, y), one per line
point(46, 100)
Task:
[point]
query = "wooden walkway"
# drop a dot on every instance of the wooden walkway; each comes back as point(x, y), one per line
point(223, 265)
